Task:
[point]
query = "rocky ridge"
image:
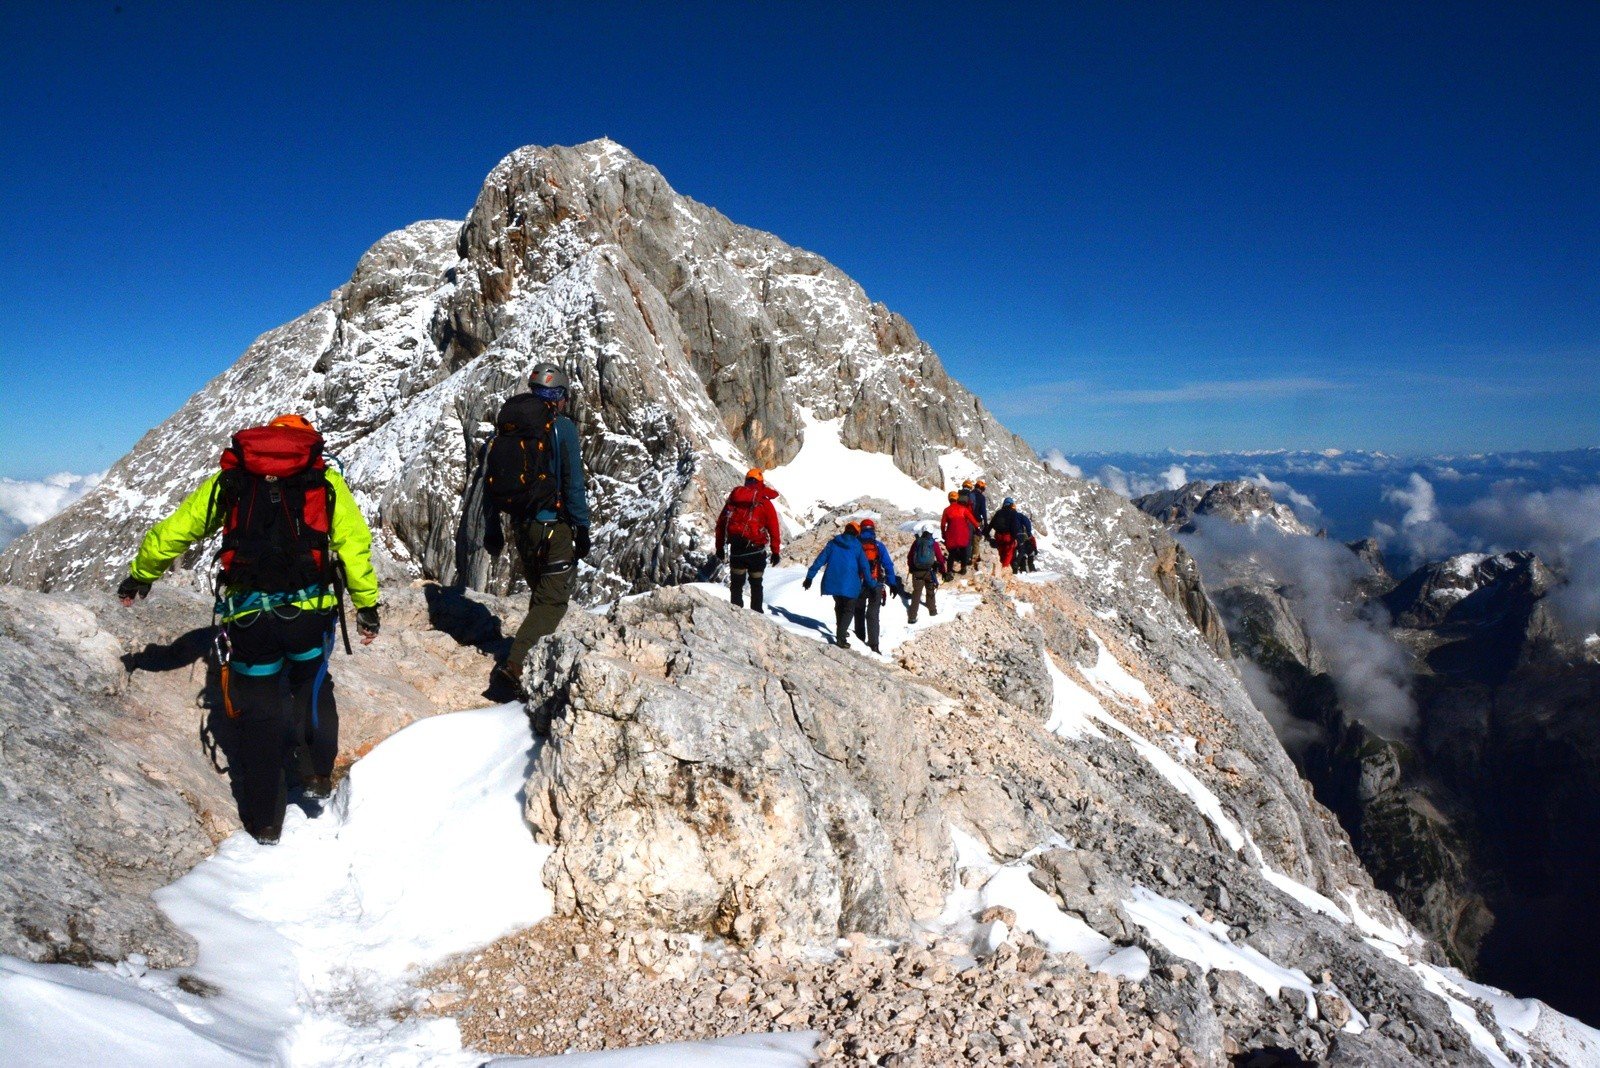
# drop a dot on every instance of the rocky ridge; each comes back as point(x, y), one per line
point(1444, 816)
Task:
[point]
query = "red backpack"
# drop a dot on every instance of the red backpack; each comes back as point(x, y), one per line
point(277, 509)
point(742, 509)
point(874, 565)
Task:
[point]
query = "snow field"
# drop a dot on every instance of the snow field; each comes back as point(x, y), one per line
point(825, 474)
point(809, 614)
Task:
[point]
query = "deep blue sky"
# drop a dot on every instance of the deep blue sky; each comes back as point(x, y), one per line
point(1127, 225)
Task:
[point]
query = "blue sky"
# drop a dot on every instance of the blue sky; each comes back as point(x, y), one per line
point(1128, 226)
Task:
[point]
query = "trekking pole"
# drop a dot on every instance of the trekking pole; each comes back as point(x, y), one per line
point(338, 596)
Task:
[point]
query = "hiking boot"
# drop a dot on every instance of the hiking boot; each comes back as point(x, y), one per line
point(504, 686)
point(843, 643)
point(269, 836)
point(874, 648)
point(317, 787)
point(933, 611)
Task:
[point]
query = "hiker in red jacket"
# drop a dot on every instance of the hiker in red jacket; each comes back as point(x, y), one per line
point(748, 532)
point(958, 526)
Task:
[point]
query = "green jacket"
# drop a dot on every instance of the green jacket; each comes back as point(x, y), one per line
point(194, 521)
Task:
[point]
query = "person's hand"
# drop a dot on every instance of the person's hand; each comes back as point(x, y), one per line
point(494, 539)
point(580, 542)
point(773, 559)
point(131, 588)
point(721, 554)
point(367, 624)
point(806, 585)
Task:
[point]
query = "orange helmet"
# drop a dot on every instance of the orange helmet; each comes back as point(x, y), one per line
point(293, 421)
point(852, 528)
point(982, 484)
point(953, 495)
point(967, 484)
point(755, 473)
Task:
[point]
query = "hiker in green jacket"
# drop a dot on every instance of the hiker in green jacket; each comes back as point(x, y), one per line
point(288, 522)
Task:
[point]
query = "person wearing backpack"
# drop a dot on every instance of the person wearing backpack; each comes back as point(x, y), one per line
point(924, 563)
point(959, 527)
point(846, 579)
point(1003, 529)
point(533, 475)
point(881, 567)
point(748, 527)
point(1027, 546)
point(288, 524)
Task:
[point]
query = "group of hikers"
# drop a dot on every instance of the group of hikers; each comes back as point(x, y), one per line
point(857, 568)
point(294, 545)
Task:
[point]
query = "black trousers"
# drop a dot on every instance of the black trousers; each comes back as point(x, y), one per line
point(746, 560)
point(277, 679)
point(866, 616)
point(844, 612)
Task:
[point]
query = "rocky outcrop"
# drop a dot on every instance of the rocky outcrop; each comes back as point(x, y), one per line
point(88, 828)
point(708, 772)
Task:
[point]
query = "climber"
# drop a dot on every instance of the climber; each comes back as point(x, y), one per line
point(1027, 546)
point(881, 568)
point(846, 579)
point(281, 510)
point(748, 526)
point(979, 504)
point(957, 526)
point(924, 562)
point(533, 474)
point(1003, 528)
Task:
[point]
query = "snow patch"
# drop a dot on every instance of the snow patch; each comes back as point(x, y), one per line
point(826, 474)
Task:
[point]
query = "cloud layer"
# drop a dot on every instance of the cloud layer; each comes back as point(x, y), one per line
point(25, 504)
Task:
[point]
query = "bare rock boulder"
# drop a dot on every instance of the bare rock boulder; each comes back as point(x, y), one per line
point(704, 770)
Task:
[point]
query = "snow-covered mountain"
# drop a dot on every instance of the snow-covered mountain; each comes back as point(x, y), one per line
point(699, 348)
point(1048, 825)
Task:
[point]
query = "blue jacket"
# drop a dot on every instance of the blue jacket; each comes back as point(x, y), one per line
point(847, 567)
point(890, 579)
point(1024, 526)
point(569, 469)
point(980, 506)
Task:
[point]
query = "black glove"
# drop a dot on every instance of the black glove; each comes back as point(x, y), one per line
point(806, 585)
point(721, 555)
point(580, 542)
point(883, 595)
point(131, 588)
point(494, 539)
point(773, 559)
point(367, 624)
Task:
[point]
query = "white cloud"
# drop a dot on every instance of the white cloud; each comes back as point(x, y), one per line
point(25, 504)
point(1057, 460)
point(1303, 506)
point(1214, 392)
point(1422, 535)
point(1174, 477)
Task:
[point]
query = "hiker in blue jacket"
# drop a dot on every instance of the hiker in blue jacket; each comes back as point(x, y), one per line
point(881, 567)
point(846, 578)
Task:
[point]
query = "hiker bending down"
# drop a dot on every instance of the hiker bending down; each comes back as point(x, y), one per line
point(281, 510)
point(924, 563)
point(1004, 529)
point(846, 579)
point(748, 529)
point(1027, 546)
point(881, 568)
point(533, 474)
point(959, 527)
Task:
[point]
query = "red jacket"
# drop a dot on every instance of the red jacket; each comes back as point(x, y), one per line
point(749, 510)
point(958, 525)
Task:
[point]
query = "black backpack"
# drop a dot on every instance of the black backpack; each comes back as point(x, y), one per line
point(520, 466)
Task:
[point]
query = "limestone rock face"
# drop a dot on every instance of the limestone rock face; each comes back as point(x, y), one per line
point(702, 774)
point(87, 828)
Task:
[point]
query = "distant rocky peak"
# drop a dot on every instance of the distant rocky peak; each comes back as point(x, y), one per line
point(1468, 586)
point(1238, 501)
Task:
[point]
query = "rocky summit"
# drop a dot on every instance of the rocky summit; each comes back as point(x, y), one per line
point(1047, 826)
